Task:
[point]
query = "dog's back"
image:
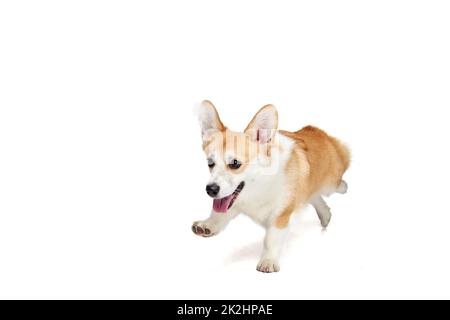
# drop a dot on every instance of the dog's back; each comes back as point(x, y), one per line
point(328, 158)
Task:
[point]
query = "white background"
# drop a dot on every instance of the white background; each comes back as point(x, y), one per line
point(101, 167)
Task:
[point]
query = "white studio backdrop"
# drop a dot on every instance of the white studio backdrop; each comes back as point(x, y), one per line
point(101, 167)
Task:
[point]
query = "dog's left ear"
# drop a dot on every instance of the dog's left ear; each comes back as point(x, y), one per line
point(209, 120)
point(264, 124)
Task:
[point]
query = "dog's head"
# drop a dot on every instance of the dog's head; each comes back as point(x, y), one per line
point(234, 158)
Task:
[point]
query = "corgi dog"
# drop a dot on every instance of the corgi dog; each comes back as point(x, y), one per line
point(267, 174)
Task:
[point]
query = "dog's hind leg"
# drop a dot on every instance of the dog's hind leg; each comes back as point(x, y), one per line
point(322, 209)
point(342, 187)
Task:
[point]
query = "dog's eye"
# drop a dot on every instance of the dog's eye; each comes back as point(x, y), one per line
point(235, 164)
point(211, 163)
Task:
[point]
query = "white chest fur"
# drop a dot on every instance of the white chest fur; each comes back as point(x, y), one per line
point(265, 194)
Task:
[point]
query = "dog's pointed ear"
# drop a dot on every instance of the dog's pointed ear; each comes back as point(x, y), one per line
point(209, 120)
point(263, 125)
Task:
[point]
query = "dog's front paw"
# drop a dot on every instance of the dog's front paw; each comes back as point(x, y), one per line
point(268, 266)
point(203, 229)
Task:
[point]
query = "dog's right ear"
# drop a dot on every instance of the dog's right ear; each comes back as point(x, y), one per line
point(263, 125)
point(209, 120)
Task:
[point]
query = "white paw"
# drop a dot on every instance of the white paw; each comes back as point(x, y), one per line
point(268, 266)
point(325, 217)
point(342, 188)
point(204, 229)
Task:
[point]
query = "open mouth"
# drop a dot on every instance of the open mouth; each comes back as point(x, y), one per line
point(225, 203)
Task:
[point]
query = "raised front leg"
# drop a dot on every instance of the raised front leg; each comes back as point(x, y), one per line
point(216, 222)
point(273, 243)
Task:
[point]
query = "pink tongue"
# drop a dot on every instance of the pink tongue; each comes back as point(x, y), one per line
point(221, 205)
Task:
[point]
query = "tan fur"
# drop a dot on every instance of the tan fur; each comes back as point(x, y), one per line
point(293, 177)
point(327, 160)
point(237, 143)
point(244, 149)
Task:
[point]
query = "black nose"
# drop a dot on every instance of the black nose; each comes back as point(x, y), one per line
point(212, 189)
